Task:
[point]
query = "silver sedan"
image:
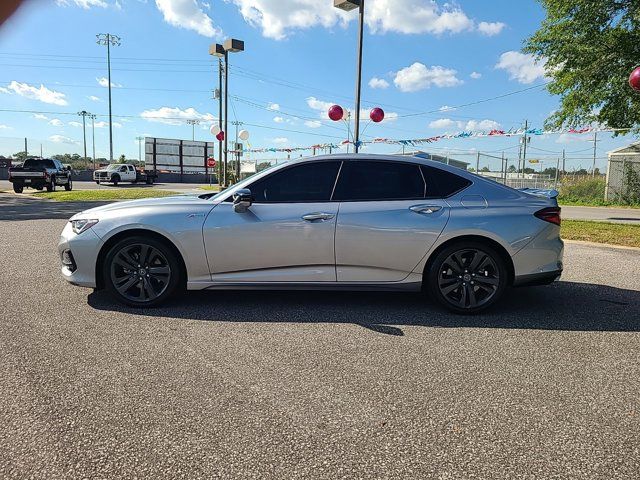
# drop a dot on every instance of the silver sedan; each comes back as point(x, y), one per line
point(358, 222)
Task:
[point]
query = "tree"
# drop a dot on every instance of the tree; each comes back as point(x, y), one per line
point(20, 156)
point(590, 48)
point(511, 169)
point(485, 169)
point(122, 159)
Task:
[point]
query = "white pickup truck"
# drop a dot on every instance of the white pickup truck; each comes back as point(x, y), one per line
point(118, 172)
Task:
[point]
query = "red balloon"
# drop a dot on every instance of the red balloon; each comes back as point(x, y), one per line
point(634, 79)
point(376, 115)
point(336, 113)
point(220, 136)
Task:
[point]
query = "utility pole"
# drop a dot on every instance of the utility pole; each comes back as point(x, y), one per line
point(93, 138)
point(222, 176)
point(193, 124)
point(524, 148)
point(83, 114)
point(26, 150)
point(564, 168)
point(477, 163)
point(595, 143)
point(41, 151)
point(140, 148)
point(356, 142)
point(235, 147)
point(108, 40)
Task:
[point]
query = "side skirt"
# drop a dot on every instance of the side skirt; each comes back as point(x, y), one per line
point(329, 286)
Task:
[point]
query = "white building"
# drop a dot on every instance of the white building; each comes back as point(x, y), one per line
point(620, 160)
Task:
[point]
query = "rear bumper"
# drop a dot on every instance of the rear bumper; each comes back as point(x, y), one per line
point(537, 279)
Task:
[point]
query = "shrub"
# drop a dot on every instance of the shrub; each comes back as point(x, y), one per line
point(582, 190)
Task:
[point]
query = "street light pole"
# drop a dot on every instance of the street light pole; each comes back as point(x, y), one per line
point(108, 40)
point(348, 5)
point(83, 114)
point(193, 124)
point(140, 148)
point(93, 139)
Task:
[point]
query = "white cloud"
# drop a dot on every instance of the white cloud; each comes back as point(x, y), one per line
point(273, 106)
point(42, 93)
point(313, 123)
point(63, 139)
point(521, 67)
point(419, 77)
point(39, 116)
point(188, 14)
point(376, 82)
point(56, 122)
point(5, 90)
point(175, 115)
point(570, 138)
point(103, 124)
point(277, 18)
point(443, 123)
point(323, 109)
point(390, 117)
point(447, 108)
point(482, 125)
point(86, 4)
point(278, 119)
point(94, 98)
point(416, 16)
point(75, 124)
point(475, 75)
point(104, 82)
point(280, 140)
point(491, 28)
point(5, 127)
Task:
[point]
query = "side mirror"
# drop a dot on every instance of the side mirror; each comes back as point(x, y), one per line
point(242, 200)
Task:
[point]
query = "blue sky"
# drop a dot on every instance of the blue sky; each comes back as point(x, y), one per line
point(420, 56)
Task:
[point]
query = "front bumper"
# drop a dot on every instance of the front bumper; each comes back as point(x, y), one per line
point(83, 249)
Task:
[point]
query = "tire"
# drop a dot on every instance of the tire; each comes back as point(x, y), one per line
point(467, 277)
point(51, 186)
point(18, 188)
point(97, 182)
point(149, 181)
point(115, 178)
point(121, 273)
point(68, 186)
point(38, 187)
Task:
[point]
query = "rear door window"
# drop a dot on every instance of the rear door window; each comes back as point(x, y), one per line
point(442, 184)
point(365, 180)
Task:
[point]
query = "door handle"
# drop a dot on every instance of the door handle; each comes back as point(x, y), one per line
point(312, 217)
point(425, 209)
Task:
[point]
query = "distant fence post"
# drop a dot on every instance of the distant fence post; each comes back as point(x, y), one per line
point(180, 160)
point(555, 183)
point(478, 163)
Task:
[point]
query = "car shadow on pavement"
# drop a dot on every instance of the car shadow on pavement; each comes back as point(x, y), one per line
point(19, 207)
point(561, 306)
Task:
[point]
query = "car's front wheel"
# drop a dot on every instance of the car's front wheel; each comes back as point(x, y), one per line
point(17, 188)
point(142, 272)
point(69, 185)
point(467, 277)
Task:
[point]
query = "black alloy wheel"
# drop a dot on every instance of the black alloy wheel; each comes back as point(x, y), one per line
point(141, 271)
point(467, 278)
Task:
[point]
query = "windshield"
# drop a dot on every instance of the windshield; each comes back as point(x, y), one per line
point(113, 166)
point(38, 163)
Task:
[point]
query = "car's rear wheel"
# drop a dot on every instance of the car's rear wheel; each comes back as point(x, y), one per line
point(467, 277)
point(141, 272)
point(69, 185)
point(18, 188)
point(51, 186)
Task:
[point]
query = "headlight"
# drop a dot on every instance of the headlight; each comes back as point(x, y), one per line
point(82, 224)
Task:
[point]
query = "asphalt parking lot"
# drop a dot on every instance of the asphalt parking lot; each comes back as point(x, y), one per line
point(315, 385)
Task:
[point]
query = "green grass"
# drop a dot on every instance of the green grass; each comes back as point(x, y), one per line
point(212, 188)
point(601, 232)
point(104, 195)
point(594, 203)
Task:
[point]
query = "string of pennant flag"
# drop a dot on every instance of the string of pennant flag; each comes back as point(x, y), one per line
point(421, 141)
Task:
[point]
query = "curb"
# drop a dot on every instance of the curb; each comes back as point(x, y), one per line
point(608, 245)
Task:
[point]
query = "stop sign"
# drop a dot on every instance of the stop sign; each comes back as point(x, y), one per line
point(211, 162)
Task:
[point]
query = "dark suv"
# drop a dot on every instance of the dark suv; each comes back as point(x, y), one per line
point(40, 173)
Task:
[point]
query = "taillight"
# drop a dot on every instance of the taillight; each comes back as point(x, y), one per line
point(549, 214)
